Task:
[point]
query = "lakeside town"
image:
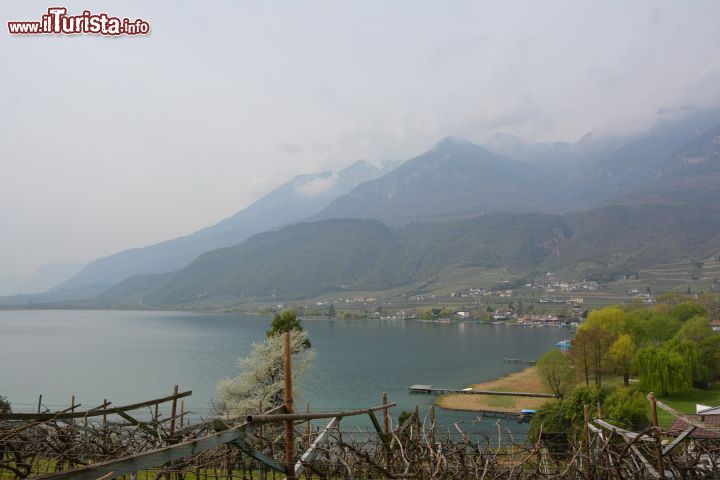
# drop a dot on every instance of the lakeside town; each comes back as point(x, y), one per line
point(548, 301)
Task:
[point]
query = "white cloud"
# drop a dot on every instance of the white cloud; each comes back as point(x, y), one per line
point(111, 143)
point(317, 185)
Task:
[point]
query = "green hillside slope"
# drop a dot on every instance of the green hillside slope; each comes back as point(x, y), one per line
point(334, 255)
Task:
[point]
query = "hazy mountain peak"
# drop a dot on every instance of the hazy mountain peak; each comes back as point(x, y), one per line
point(359, 165)
point(311, 185)
point(296, 199)
point(504, 138)
point(690, 176)
point(457, 149)
point(699, 157)
point(588, 137)
point(454, 179)
point(515, 147)
point(451, 142)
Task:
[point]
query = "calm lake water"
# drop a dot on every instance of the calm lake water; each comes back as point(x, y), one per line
point(128, 357)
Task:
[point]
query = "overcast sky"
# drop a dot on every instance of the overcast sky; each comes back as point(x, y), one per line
point(112, 143)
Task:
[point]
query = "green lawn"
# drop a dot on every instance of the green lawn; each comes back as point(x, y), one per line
point(686, 401)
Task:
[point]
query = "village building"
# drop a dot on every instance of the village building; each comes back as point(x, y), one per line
point(709, 416)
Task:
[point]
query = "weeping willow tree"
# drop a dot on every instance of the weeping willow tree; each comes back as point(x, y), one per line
point(662, 370)
point(261, 382)
point(692, 355)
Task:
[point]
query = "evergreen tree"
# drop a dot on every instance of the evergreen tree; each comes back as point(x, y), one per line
point(286, 321)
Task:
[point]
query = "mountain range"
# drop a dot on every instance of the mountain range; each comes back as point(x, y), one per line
point(302, 196)
point(309, 259)
point(455, 179)
point(596, 170)
point(598, 206)
point(690, 175)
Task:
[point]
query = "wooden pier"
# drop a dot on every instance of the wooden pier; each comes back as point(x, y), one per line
point(440, 391)
point(519, 360)
point(520, 417)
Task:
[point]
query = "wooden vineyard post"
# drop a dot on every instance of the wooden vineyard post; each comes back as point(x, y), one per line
point(173, 411)
point(386, 429)
point(586, 441)
point(104, 423)
point(39, 402)
point(308, 426)
point(182, 413)
point(417, 422)
point(71, 463)
point(606, 457)
point(226, 460)
point(386, 418)
point(658, 438)
point(432, 426)
point(289, 428)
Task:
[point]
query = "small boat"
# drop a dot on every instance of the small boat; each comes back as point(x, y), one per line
point(563, 344)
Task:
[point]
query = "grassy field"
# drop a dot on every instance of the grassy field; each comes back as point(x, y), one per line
point(686, 401)
point(524, 381)
point(460, 278)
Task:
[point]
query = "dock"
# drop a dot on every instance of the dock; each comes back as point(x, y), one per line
point(518, 416)
point(439, 391)
point(519, 360)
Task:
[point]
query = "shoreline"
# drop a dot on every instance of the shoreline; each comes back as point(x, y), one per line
point(525, 380)
point(114, 309)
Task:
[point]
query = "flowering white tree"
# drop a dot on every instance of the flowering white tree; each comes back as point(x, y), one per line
point(260, 386)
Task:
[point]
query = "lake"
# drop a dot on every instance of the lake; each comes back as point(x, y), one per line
point(128, 356)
